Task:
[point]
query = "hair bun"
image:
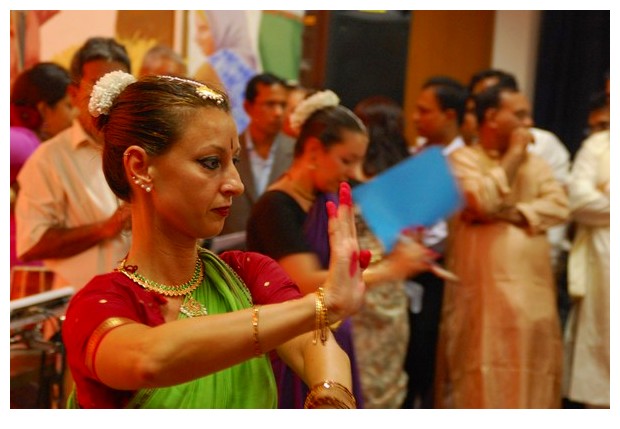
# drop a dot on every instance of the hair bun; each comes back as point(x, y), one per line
point(307, 107)
point(105, 91)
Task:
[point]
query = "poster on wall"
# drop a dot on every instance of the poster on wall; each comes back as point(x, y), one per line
point(222, 52)
point(228, 47)
point(225, 47)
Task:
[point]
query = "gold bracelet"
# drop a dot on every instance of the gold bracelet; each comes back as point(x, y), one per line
point(330, 384)
point(257, 348)
point(324, 325)
point(331, 387)
point(327, 400)
point(321, 326)
point(317, 319)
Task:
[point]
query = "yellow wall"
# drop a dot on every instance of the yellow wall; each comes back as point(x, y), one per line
point(453, 43)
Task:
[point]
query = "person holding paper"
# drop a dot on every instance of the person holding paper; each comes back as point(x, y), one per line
point(500, 344)
point(438, 116)
point(381, 327)
point(288, 221)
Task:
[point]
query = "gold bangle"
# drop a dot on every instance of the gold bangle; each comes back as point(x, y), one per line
point(317, 319)
point(324, 324)
point(321, 326)
point(330, 384)
point(327, 400)
point(315, 398)
point(257, 348)
point(95, 339)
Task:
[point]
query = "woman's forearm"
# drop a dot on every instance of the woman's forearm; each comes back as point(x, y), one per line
point(137, 356)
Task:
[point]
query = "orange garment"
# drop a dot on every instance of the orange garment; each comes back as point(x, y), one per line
point(500, 344)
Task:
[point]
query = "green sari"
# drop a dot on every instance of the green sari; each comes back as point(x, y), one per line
point(250, 384)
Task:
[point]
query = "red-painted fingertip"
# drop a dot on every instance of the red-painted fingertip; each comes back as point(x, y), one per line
point(365, 256)
point(354, 264)
point(345, 194)
point(332, 211)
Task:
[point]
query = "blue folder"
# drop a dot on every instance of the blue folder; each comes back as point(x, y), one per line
point(419, 191)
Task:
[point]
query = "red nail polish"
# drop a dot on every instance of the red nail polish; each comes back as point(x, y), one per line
point(332, 211)
point(365, 256)
point(345, 194)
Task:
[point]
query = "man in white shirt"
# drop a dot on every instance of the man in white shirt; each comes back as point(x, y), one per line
point(67, 216)
point(438, 116)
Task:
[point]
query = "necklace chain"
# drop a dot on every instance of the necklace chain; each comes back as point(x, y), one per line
point(166, 290)
point(303, 193)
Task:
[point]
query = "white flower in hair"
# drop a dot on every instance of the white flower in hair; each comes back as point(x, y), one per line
point(307, 107)
point(105, 91)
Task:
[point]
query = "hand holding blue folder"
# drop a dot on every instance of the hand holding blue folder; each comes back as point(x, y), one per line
point(419, 191)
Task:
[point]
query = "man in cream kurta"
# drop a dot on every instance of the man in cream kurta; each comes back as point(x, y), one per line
point(67, 215)
point(62, 184)
point(500, 343)
point(588, 273)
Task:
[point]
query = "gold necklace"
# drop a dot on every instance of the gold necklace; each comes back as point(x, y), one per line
point(166, 290)
point(190, 306)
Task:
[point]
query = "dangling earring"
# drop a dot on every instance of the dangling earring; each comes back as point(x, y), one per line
point(147, 187)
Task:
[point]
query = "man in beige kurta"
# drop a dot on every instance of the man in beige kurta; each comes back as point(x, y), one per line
point(500, 343)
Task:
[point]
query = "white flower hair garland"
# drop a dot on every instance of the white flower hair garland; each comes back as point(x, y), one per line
point(106, 90)
point(307, 107)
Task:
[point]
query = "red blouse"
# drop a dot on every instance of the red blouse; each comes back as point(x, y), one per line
point(113, 297)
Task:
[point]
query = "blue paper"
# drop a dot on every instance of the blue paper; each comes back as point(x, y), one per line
point(419, 191)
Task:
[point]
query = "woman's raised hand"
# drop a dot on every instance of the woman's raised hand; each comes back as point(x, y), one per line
point(344, 287)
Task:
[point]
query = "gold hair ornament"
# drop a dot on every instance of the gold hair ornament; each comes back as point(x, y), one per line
point(201, 89)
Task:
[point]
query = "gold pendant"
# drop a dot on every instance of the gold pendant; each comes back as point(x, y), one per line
point(192, 308)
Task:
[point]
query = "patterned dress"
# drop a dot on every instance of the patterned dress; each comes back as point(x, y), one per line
point(381, 334)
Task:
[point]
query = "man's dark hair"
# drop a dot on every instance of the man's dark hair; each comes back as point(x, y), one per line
point(450, 93)
point(268, 79)
point(597, 101)
point(505, 79)
point(98, 48)
point(488, 99)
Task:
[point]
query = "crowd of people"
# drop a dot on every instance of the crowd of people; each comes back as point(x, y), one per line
point(126, 187)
